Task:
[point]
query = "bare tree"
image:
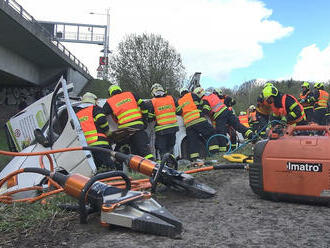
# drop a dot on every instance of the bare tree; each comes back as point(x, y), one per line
point(142, 60)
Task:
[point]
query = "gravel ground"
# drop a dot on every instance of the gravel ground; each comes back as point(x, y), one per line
point(235, 217)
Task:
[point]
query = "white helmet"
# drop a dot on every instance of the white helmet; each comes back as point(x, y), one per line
point(199, 91)
point(183, 89)
point(89, 98)
point(219, 91)
point(252, 108)
point(157, 90)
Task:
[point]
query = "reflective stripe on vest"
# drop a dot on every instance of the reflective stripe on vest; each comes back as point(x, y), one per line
point(125, 108)
point(243, 119)
point(282, 111)
point(217, 106)
point(165, 112)
point(190, 111)
point(323, 99)
point(87, 124)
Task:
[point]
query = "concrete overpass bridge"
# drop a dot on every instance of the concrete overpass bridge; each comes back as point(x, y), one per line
point(29, 56)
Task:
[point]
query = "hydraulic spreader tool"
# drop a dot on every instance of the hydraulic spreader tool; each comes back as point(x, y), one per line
point(122, 207)
point(293, 165)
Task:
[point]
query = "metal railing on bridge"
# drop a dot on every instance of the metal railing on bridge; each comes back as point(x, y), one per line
point(23, 13)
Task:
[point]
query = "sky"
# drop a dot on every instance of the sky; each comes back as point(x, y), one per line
point(228, 41)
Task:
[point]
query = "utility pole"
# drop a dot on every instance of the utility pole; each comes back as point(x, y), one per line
point(106, 48)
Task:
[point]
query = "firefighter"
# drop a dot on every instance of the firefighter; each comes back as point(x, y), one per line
point(125, 108)
point(252, 119)
point(96, 128)
point(163, 111)
point(219, 112)
point(196, 124)
point(263, 110)
point(320, 99)
point(285, 107)
point(304, 100)
point(244, 119)
point(229, 102)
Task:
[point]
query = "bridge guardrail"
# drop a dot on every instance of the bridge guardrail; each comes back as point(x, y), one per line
point(23, 13)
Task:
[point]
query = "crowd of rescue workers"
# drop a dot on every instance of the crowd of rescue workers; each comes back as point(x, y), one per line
point(196, 109)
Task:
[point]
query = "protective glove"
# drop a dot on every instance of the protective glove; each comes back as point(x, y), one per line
point(284, 121)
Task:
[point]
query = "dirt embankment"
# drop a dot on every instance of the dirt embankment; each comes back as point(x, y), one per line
point(235, 217)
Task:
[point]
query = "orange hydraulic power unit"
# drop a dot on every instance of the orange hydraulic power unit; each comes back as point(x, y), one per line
point(293, 166)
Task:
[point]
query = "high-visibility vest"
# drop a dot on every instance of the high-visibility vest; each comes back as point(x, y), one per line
point(217, 106)
point(125, 108)
point(164, 108)
point(252, 117)
point(190, 111)
point(305, 104)
point(243, 119)
point(323, 99)
point(283, 112)
point(87, 124)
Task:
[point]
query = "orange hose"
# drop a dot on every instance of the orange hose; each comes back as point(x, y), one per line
point(199, 170)
point(79, 148)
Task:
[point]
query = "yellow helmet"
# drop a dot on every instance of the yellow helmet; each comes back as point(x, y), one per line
point(269, 91)
point(318, 85)
point(113, 88)
point(268, 84)
point(199, 91)
point(305, 84)
point(242, 113)
point(89, 98)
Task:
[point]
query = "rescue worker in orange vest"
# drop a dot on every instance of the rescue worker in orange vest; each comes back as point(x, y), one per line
point(263, 110)
point(219, 112)
point(229, 102)
point(305, 102)
point(285, 107)
point(244, 119)
point(125, 109)
point(196, 124)
point(252, 119)
point(96, 128)
point(320, 99)
point(163, 110)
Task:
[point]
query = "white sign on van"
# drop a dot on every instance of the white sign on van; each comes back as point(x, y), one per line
point(21, 128)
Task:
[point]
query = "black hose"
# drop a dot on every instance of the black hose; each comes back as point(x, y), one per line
point(82, 205)
point(154, 180)
point(229, 166)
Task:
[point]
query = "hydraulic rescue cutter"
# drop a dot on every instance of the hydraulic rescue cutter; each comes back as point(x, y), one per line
point(122, 207)
point(166, 175)
point(293, 165)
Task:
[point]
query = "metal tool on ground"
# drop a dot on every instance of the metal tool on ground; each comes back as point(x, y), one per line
point(293, 167)
point(239, 158)
point(166, 175)
point(122, 207)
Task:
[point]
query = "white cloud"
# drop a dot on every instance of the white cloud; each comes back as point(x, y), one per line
point(213, 37)
point(313, 64)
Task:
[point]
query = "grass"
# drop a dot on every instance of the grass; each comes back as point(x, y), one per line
point(3, 146)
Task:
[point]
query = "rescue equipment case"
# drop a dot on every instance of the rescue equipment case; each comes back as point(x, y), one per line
point(293, 168)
